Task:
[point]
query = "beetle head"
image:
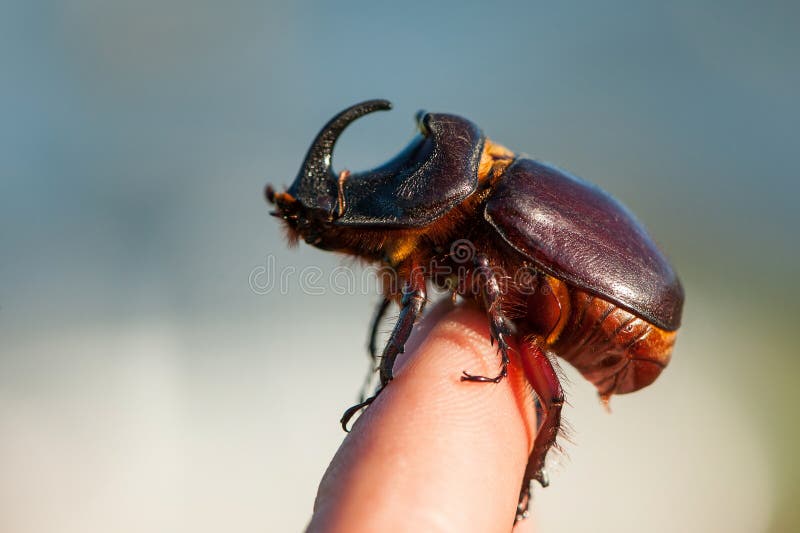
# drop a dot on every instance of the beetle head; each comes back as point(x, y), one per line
point(312, 201)
point(435, 172)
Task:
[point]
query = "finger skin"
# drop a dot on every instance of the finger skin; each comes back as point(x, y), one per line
point(433, 453)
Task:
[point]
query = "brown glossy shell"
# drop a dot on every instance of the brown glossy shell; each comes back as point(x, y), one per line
point(577, 233)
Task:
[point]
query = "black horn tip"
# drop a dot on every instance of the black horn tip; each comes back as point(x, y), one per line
point(360, 109)
point(338, 123)
point(376, 104)
point(316, 179)
point(320, 151)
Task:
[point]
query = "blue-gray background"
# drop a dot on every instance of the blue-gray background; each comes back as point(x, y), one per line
point(145, 386)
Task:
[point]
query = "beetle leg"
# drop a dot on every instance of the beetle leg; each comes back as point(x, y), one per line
point(380, 312)
point(549, 399)
point(498, 325)
point(413, 302)
point(348, 414)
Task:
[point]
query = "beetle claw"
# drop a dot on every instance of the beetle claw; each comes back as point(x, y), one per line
point(349, 413)
point(542, 477)
point(524, 502)
point(466, 376)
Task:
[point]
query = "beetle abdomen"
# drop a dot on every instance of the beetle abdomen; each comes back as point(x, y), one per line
point(614, 349)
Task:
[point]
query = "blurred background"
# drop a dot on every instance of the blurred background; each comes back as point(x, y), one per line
point(146, 385)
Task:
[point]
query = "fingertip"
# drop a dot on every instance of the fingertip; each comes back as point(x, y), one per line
point(434, 451)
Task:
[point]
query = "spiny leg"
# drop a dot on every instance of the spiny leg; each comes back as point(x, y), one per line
point(380, 312)
point(410, 308)
point(549, 399)
point(489, 286)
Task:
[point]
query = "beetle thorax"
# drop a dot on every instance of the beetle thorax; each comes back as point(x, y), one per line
point(390, 245)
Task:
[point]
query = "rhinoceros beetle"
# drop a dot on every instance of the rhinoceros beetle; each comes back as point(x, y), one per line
point(596, 290)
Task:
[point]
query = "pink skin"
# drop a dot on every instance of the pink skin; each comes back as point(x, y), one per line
point(433, 453)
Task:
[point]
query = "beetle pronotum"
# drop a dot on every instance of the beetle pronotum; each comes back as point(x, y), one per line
point(598, 292)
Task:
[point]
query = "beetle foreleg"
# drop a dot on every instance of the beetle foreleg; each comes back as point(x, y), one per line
point(380, 312)
point(550, 398)
point(489, 287)
point(414, 298)
point(410, 308)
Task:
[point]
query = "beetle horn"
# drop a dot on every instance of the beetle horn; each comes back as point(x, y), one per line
point(316, 185)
